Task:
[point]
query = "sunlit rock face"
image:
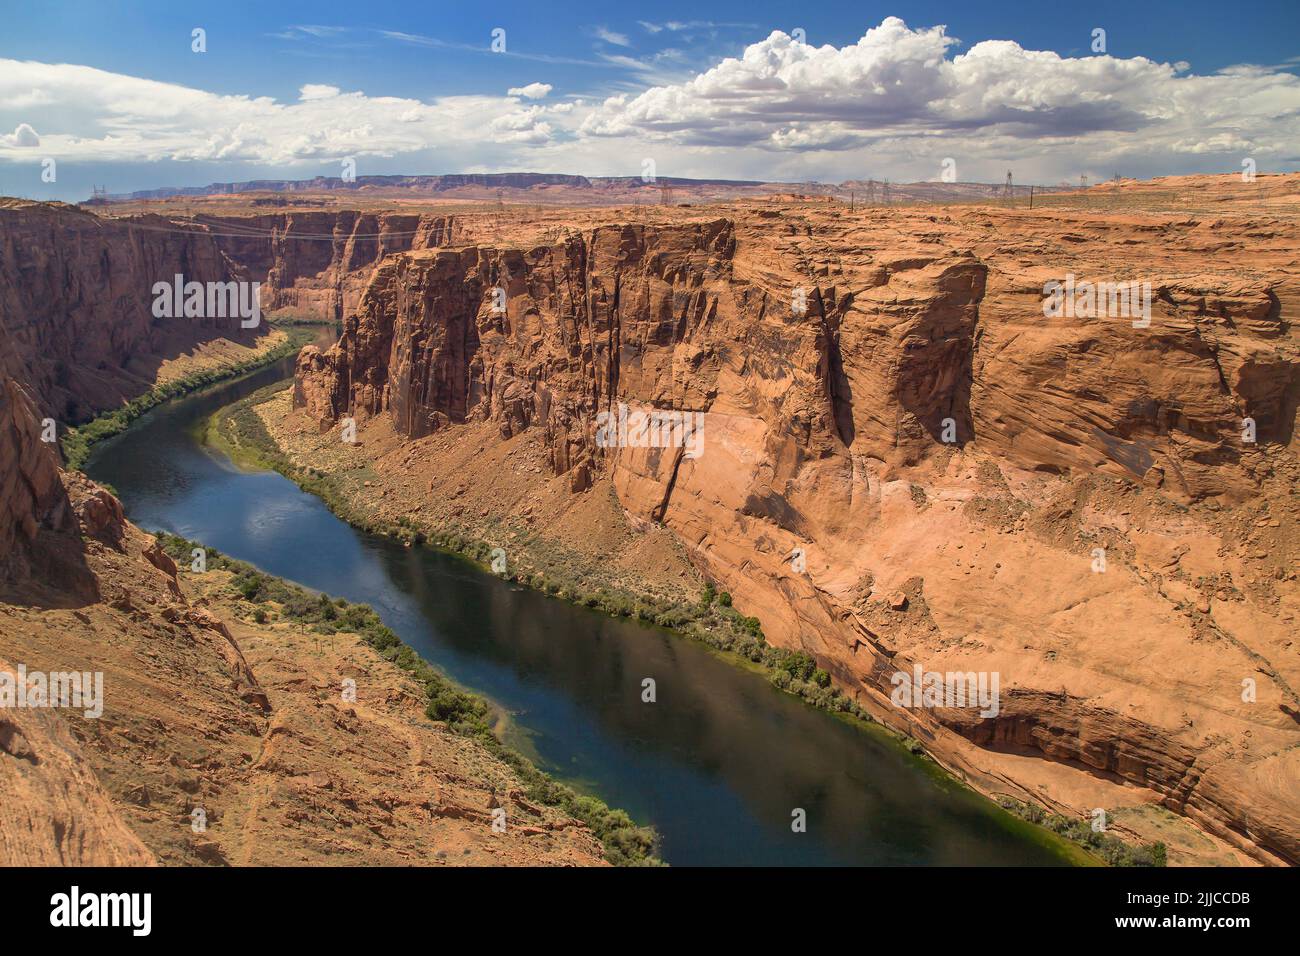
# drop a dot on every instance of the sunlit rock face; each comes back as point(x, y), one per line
point(888, 395)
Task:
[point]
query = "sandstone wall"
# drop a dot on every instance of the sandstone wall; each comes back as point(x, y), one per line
point(824, 433)
point(318, 263)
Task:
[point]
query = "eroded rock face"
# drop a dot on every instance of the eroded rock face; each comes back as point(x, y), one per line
point(318, 263)
point(893, 340)
point(885, 394)
point(38, 527)
point(429, 345)
point(76, 293)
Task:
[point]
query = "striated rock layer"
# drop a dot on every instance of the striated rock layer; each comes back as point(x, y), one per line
point(315, 262)
point(76, 299)
point(905, 461)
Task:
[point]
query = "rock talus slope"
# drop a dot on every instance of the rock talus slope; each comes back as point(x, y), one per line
point(55, 812)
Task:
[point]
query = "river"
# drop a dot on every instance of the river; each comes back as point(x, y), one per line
point(718, 764)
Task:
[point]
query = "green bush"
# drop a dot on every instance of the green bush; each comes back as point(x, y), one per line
point(1111, 849)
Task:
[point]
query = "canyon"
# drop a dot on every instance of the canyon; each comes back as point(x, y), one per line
point(905, 461)
point(224, 737)
point(823, 438)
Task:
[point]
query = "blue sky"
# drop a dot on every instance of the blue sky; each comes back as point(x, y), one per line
point(114, 94)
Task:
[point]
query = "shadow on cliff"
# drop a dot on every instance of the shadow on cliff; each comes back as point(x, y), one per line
point(938, 393)
point(42, 557)
point(76, 394)
point(936, 367)
point(841, 394)
point(50, 574)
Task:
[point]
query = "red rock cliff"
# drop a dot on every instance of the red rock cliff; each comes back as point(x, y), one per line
point(76, 298)
point(945, 456)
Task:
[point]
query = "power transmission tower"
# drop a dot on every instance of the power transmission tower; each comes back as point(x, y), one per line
point(885, 189)
point(666, 194)
point(1008, 191)
point(871, 192)
point(1083, 181)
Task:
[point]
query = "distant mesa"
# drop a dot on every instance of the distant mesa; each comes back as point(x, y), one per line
point(538, 187)
point(435, 184)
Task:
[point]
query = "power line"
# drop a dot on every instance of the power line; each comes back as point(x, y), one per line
point(262, 234)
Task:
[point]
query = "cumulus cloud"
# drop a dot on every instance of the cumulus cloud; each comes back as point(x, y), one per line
point(98, 116)
point(898, 83)
point(533, 91)
point(892, 104)
point(317, 91)
point(24, 135)
point(521, 126)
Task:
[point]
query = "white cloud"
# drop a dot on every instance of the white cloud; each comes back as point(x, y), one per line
point(609, 36)
point(25, 136)
point(522, 126)
point(96, 116)
point(677, 26)
point(898, 84)
point(309, 30)
point(893, 104)
point(317, 91)
point(533, 91)
point(320, 31)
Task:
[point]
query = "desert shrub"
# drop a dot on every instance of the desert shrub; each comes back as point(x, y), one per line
point(672, 618)
point(1111, 849)
point(452, 706)
point(798, 664)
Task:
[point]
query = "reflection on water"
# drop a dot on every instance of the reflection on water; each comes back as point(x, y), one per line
point(717, 764)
